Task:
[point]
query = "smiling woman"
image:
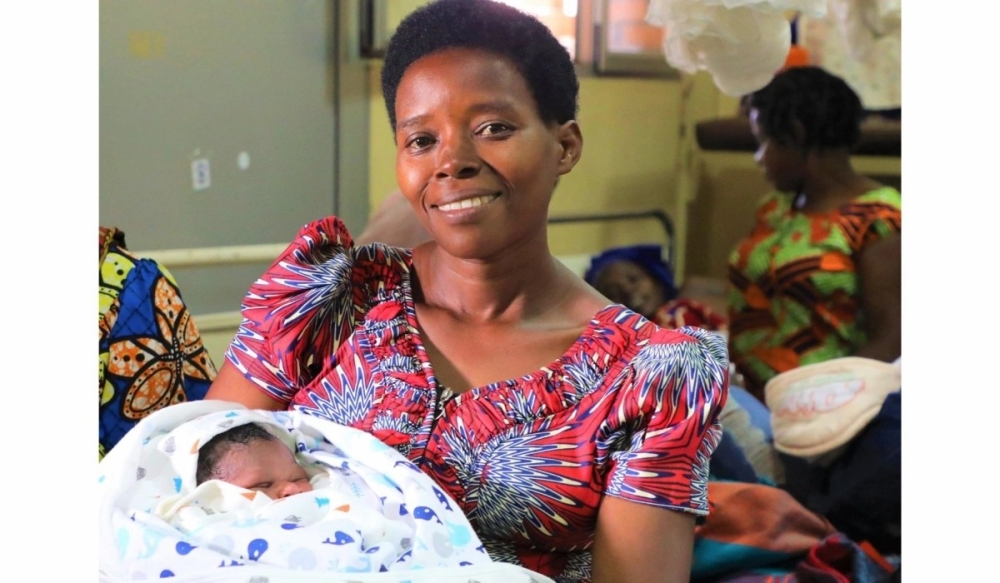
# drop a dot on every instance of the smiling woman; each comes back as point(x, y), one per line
point(474, 158)
point(572, 431)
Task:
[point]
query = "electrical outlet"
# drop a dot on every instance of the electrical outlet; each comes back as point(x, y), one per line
point(201, 174)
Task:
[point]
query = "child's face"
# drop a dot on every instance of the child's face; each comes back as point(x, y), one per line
point(626, 283)
point(264, 466)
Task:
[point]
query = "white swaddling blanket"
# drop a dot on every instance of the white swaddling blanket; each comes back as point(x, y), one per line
point(372, 515)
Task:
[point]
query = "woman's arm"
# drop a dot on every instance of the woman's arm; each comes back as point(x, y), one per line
point(230, 385)
point(639, 543)
point(880, 281)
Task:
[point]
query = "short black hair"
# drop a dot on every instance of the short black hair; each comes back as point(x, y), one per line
point(828, 109)
point(217, 447)
point(492, 27)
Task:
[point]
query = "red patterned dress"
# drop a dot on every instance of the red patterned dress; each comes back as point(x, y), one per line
point(630, 410)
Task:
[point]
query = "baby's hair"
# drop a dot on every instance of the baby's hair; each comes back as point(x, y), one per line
point(217, 447)
point(493, 27)
point(828, 109)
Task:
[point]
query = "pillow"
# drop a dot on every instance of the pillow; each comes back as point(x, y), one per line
point(816, 409)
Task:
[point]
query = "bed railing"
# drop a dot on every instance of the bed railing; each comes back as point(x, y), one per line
point(239, 254)
point(207, 256)
point(656, 214)
point(265, 253)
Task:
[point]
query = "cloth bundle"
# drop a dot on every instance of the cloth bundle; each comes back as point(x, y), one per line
point(860, 41)
point(816, 409)
point(742, 43)
point(372, 515)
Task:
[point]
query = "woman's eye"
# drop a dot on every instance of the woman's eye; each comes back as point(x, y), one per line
point(419, 142)
point(494, 129)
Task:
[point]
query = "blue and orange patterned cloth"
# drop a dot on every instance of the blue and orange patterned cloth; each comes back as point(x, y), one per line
point(150, 352)
point(629, 410)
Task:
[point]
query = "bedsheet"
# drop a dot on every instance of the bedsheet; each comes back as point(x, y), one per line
point(372, 515)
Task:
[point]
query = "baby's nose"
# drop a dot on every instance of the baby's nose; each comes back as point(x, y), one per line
point(292, 488)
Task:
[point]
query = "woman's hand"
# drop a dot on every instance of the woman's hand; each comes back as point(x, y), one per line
point(639, 543)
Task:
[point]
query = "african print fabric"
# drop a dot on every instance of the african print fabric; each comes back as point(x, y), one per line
point(150, 352)
point(630, 410)
point(794, 296)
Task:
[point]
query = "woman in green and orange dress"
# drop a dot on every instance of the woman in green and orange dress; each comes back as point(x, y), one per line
point(818, 277)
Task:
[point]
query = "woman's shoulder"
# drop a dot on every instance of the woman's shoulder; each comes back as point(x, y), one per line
point(773, 206)
point(325, 248)
point(663, 374)
point(883, 195)
point(654, 346)
point(323, 271)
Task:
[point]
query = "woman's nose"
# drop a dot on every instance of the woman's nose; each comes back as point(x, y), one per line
point(458, 159)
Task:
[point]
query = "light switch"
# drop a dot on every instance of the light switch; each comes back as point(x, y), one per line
point(201, 174)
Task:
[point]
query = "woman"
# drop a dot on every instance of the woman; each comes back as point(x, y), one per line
point(574, 433)
point(819, 275)
point(150, 352)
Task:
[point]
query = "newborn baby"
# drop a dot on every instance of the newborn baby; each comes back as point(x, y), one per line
point(286, 489)
point(250, 457)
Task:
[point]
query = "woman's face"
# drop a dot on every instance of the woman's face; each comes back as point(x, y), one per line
point(627, 283)
point(473, 157)
point(784, 164)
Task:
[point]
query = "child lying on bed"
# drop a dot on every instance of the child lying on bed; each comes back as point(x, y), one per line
point(638, 277)
point(203, 486)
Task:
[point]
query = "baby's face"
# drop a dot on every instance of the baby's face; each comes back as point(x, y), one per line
point(264, 466)
point(626, 283)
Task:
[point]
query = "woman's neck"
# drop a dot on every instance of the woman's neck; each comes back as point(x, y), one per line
point(516, 286)
point(830, 182)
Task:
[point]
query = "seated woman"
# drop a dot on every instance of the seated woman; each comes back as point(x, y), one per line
point(817, 280)
point(818, 277)
point(574, 433)
point(150, 352)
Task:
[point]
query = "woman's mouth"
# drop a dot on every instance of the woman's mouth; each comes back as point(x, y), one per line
point(468, 203)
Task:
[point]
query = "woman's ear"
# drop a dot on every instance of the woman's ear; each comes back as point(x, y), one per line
point(571, 145)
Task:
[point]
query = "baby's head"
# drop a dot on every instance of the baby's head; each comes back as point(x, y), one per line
point(635, 276)
point(250, 457)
